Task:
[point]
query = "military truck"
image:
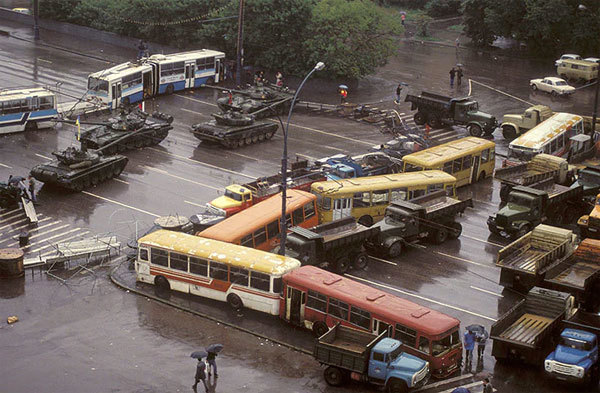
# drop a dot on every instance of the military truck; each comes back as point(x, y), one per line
point(540, 168)
point(525, 332)
point(431, 217)
point(524, 262)
point(589, 178)
point(527, 207)
point(361, 356)
point(439, 111)
point(515, 125)
point(589, 224)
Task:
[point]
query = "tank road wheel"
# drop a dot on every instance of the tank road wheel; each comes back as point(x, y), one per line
point(341, 265)
point(240, 142)
point(261, 137)
point(248, 140)
point(77, 185)
point(333, 376)
point(319, 328)
point(85, 183)
point(456, 230)
point(397, 386)
point(269, 135)
point(235, 302)
point(474, 130)
point(420, 118)
point(360, 260)
point(509, 132)
point(254, 138)
point(94, 179)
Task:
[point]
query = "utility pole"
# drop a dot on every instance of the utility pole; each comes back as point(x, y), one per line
point(240, 49)
point(36, 19)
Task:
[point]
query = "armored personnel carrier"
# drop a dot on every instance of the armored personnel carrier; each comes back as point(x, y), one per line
point(141, 128)
point(234, 129)
point(255, 98)
point(76, 169)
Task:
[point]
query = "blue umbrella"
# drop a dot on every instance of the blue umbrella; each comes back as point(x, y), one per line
point(461, 390)
point(214, 348)
point(199, 354)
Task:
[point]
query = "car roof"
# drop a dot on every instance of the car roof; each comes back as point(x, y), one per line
point(570, 54)
point(554, 79)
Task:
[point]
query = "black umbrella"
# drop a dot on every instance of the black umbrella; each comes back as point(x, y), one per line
point(199, 354)
point(476, 329)
point(214, 348)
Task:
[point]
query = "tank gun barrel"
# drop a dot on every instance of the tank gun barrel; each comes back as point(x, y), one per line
point(89, 123)
point(268, 107)
point(127, 135)
point(226, 89)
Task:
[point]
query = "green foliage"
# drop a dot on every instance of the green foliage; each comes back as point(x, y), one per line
point(57, 9)
point(440, 8)
point(404, 3)
point(476, 27)
point(422, 22)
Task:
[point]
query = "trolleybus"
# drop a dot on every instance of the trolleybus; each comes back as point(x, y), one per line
point(468, 159)
point(317, 299)
point(26, 109)
point(238, 275)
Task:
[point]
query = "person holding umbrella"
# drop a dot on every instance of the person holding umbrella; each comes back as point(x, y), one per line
point(213, 350)
point(200, 369)
point(469, 344)
point(481, 338)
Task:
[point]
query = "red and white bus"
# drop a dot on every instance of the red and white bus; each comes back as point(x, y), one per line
point(317, 300)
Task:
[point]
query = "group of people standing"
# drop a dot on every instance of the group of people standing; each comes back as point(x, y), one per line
point(26, 190)
point(456, 73)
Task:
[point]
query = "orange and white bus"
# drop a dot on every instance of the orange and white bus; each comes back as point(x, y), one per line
point(259, 225)
point(317, 300)
point(238, 275)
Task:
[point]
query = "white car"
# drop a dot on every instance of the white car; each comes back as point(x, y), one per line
point(552, 85)
point(592, 59)
point(568, 56)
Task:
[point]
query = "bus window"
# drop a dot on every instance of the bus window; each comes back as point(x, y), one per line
point(317, 301)
point(179, 262)
point(361, 199)
point(547, 149)
point(143, 254)
point(399, 194)
point(424, 344)
point(247, 241)
point(326, 203)
point(434, 187)
point(199, 266)
point(417, 193)
point(260, 236)
point(46, 103)
point(260, 281)
point(238, 276)
point(448, 167)
point(338, 309)
point(273, 229)
point(218, 271)
point(309, 210)
point(559, 142)
point(360, 317)
point(298, 216)
point(466, 164)
point(277, 285)
point(457, 165)
point(159, 257)
point(381, 197)
point(407, 335)
point(485, 156)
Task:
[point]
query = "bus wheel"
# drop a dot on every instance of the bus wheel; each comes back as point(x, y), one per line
point(210, 81)
point(162, 284)
point(319, 328)
point(31, 126)
point(170, 89)
point(419, 118)
point(126, 101)
point(397, 386)
point(366, 220)
point(474, 130)
point(333, 376)
point(360, 261)
point(234, 301)
point(341, 265)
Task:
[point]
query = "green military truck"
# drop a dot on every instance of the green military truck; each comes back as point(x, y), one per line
point(439, 111)
point(527, 207)
point(515, 125)
point(431, 217)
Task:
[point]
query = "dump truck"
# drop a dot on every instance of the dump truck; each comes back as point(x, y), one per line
point(336, 245)
point(575, 358)
point(515, 125)
point(540, 168)
point(527, 207)
point(431, 217)
point(578, 274)
point(525, 333)
point(361, 356)
point(524, 262)
point(589, 224)
point(439, 111)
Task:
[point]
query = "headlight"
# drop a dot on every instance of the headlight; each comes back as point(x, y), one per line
point(548, 365)
point(579, 371)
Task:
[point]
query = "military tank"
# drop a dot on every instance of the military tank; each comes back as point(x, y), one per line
point(141, 129)
point(255, 98)
point(76, 169)
point(234, 129)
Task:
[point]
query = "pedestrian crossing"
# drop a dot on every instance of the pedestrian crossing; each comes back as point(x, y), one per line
point(42, 237)
point(437, 136)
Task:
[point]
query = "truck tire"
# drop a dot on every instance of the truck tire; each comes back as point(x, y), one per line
point(558, 217)
point(395, 249)
point(509, 132)
point(341, 265)
point(504, 192)
point(524, 229)
point(420, 118)
point(474, 130)
point(397, 386)
point(319, 328)
point(435, 122)
point(456, 230)
point(360, 260)
point(333, 376)
point(440, 235)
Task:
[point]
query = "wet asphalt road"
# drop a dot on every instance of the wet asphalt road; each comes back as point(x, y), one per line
point(90, 334)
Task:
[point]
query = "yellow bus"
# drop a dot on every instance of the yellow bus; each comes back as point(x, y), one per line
point(240, 276)
point(365, 198)
point(468, 159)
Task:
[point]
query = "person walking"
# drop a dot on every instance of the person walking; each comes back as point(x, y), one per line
point(481, 339)
point(398, 92)
point(452, 75)
point(31, 188)
point(403, 18)
point(487, 386)
point(459, 75)
point(469, 344)
point(200, 375)
point(343, 95)
point(212, 364)
point(279, 79)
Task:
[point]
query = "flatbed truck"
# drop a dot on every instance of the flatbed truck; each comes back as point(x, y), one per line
point(379, 360)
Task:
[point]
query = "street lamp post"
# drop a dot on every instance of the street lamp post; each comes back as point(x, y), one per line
point(582, 7)
point(283, 233)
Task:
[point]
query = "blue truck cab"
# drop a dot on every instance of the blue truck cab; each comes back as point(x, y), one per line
point(575, 358)
point(388, 366)
point(345, 170)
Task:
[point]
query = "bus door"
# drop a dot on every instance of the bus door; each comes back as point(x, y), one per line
point(218, 70)
point(155, 78)
point(342, 208)
point(294, 305)
point(475, 173)
point(116, 94)
point(189, 75)
point(147, 84)
point(380, 326)
point(33, 103)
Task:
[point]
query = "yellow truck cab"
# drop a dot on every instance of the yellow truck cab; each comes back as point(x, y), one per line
point(578, 70)
point(236, 198)
point(589, 224)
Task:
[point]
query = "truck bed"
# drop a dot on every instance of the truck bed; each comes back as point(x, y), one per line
point(526, 328)
point(579, 270)
point(339, 229)
point(540, 168)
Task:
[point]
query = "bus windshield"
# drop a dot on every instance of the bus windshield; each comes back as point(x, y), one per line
point(96, 84)
point(442, 346)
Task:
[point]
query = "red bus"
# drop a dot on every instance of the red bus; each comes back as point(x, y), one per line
point(317, 299)
point(258, 226)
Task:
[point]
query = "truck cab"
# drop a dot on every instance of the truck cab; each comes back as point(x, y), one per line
point(343, 171)
point(514, 125)
point(575, 359)
point(391, 367)
point(589, 178)
point(589, 224)
point(235, 199)
point(521, 213)
point(466, 111)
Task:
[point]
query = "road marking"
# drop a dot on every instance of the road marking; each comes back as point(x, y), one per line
point(120, 181)
point(40, 234)
point(14, 223)
point(194, 112)
point(464, 260)
point(202, 163)
point(444, 382)
point(22, 227)
point(63, 240)
point(10, 212)
point(178, 177)
point(194, 204)
point(5, 166)
point(383, 260)
point(496, 90)
point(44, 157)
point(13, 216)
point(421, 297)
point(119, 203)
point(446, 137)
point(325, 133)
point(483, 241)
point(196, 100)
point(54, 237)
point(486, 291)
point(44, 60)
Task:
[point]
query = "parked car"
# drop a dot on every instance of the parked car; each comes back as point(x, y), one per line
point(592, 59)
point(568, 56)
point(552, 85)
